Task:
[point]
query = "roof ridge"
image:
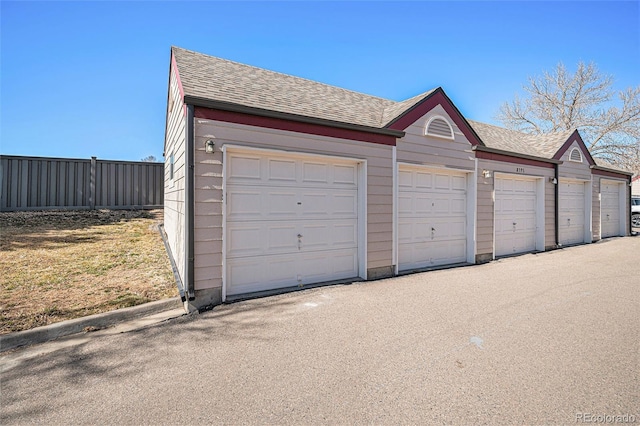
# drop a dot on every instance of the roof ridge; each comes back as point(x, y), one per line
point(407, 104)
point(287, 75)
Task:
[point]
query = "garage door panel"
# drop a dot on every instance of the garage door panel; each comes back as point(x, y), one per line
point(248, 239)
point(245, 203)
point(405, 179)
point(328, 235)
point(281, 171)
point(432, 253)
point(244, 168)
point(525, 204)
point(255, 274)
point(443, 182)
point(246, 275)
point(345, 175)
point(290, 220)
point(414, 204)
point(458, 206)
point(610, 209)
point(263, 238)
point(459, 183)
point(515, 215)
point(431, 217)
point(332, 265)
point(422, 180)
point(406, 230)
point(245, 240)
point(450, 229)
point(315, 172)
point(256, 169)
point(343, 204)
point(441, 205)
point(405, 204)
point(571, 205)
point(515, 243)
point(431, 229)
point(280, 203)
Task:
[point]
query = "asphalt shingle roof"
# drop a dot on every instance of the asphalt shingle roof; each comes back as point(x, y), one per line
point(543, 146)
point(218, 79)
point(222, 80)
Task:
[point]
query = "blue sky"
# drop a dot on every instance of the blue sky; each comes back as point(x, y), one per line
point(82, 79)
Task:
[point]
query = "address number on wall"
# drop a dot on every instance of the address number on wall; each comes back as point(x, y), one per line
point(519, 169)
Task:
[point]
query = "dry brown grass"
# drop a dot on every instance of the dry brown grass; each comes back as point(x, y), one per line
point(58, 265)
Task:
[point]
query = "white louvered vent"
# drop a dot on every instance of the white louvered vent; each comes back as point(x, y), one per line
point(439, 127)
point(575, 155)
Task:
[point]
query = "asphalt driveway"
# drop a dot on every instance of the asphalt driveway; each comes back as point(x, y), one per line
point(551, 338)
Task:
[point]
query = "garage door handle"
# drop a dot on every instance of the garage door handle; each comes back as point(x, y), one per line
point(433, 233)
point(299, 241)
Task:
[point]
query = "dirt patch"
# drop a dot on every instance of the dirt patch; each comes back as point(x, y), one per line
point(59, 265)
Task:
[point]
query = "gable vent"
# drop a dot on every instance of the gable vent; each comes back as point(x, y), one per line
point(575, 155)
point(439, 127)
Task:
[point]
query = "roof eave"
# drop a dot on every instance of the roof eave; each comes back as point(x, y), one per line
point(232, 107)
point(607, 169)
point(514, 154)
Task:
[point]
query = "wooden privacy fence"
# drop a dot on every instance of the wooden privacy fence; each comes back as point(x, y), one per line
point(39, 183)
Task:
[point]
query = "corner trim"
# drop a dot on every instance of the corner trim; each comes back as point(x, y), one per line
point(190, 204)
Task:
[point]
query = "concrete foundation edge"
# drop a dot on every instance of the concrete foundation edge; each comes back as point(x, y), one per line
point(204, 299)
point(379, 273)
point(484, 258)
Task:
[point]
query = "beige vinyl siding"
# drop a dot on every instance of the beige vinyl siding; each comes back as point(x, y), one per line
point(208, 184)
point(174, 193)
point(549, 212)
point(595, 208)
point(574, 170)
point(417, 148)
point(485, 214)
point(485, 218)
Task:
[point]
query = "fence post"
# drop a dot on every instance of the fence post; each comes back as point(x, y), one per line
point(92, 185)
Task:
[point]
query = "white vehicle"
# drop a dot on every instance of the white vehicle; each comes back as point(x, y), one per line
point(635, 212)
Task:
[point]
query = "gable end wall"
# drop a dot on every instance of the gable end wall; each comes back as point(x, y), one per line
point(174, 191)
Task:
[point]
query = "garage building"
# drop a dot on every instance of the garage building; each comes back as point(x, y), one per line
point(275, 182)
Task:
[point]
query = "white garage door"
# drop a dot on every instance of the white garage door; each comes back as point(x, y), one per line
point(571, 204)
point(290, 221)
point(432, 217)
point(515, 215)
point(610, 208)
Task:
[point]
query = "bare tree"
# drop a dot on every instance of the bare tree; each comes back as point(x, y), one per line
point(149, 159)
point(608, 121)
